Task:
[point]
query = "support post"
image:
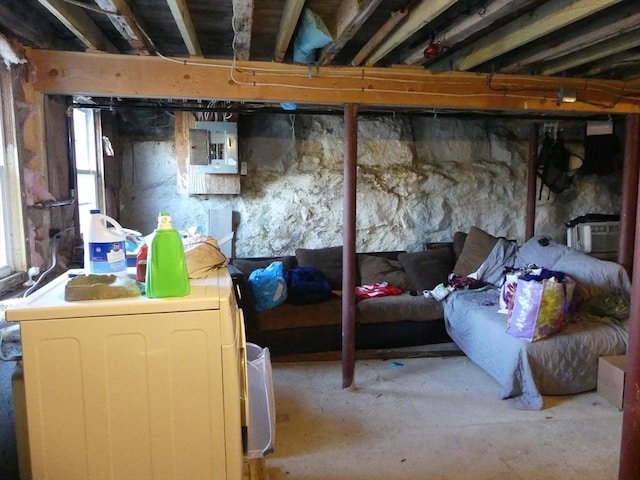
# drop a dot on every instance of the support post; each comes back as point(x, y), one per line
point(629, 468)
point(531, 183)
point(629, 200)
point(349, 243)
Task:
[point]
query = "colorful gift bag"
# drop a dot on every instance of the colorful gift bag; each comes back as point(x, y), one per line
point(540, 305)
point(508, 288)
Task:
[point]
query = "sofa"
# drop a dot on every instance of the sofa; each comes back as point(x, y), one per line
point(402, 320)
point(564, 363)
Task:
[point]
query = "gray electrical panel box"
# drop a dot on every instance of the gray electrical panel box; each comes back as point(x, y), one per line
point(214, 147)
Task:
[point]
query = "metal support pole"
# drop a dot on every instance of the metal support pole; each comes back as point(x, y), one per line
point(629, 193)
point(349, 243)
point(531, 183)
point(629, 468)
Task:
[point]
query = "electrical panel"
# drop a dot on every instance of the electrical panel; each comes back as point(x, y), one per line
point(214, 147)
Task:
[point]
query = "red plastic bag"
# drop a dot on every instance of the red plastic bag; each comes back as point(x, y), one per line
point(376, 290)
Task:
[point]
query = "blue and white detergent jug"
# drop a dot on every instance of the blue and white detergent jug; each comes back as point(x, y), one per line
point(104, 248)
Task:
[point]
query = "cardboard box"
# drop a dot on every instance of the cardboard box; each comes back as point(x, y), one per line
point(611, 373)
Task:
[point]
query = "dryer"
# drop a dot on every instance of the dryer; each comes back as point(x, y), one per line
point(132, 388)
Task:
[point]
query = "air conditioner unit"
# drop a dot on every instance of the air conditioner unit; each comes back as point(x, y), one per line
point(594, 236)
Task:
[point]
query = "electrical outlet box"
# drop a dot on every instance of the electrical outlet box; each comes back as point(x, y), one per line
point(214, 147)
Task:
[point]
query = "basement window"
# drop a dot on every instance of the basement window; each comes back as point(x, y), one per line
point(88, 160)
point(13, 257)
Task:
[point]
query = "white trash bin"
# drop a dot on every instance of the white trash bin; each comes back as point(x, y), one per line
point(262, 413)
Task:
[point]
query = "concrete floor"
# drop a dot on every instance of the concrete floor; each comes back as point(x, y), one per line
point(413, 419)
point(432, 418)
point(8, 454)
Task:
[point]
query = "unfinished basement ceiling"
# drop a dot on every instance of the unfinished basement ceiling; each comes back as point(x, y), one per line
point(576, 38)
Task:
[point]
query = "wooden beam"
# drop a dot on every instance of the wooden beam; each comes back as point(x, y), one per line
point(466, 25)
point(547, 18)
point(349, 18)
point(69, 73)
point(125, 22)
point(375, 40)
point(598, 51)
point(290, 16)
point(80, 24)
point(418, 17)
point(182, 17)
point(601, 29)
point(242, 23)
point(349, 244)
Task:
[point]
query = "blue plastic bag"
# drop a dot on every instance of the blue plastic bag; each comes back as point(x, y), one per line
point(268, 286)
point(306, 285)
point(312, 36)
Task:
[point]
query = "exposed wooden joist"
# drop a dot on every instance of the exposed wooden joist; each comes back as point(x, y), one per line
point(242, 24)
point(71, 73)
point(290, 16)
point(39, 35)
point(182, 17)
point(80, 24)
point(380, 35)
point(349, 18)
point(601, 29)
point(593, 53)
point(418, 17)
point(621, 62)
point(466, 25)
point(632, 75)
point(548, 18)
point(125, 22)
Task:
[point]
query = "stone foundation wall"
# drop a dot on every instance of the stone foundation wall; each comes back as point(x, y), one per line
point(419, 179)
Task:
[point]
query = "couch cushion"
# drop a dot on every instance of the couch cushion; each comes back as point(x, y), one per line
point(458, 243)
point(375, 269)
point(327, 260)
point(477, 247)
point(593, 276)
point(540, 250)
point(429, 268)
point(248, 265)
point(288, 315)
point(396, 308)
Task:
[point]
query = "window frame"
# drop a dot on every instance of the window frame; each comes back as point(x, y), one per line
point(13, 273)
point(93, 132)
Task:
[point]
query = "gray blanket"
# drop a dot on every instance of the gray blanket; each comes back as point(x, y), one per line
point(565, 363)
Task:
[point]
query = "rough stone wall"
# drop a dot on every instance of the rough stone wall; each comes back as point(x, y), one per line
point(419, 179)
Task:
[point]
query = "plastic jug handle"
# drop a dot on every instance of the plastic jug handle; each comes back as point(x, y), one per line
point(110, 220)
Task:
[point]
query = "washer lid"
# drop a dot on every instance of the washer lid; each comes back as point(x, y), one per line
point(48, 302)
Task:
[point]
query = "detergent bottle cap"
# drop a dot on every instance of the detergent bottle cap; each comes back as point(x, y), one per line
point(164, 221)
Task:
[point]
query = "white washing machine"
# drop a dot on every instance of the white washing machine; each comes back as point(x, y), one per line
point(132, 389)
